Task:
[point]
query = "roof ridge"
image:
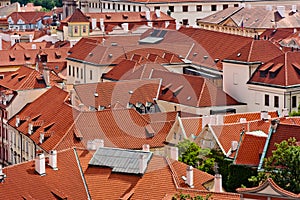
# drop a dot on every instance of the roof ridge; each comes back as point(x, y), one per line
point(250, 51)
point(201, 93)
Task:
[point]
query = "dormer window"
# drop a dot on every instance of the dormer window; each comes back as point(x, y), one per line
point(57, 55)
point(27, 56)
point(12, 57)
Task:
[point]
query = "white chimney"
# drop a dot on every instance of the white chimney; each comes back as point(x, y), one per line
point(17, 121)
point(150, 24)
point(269, 7)
point(30, 128)
point(148, 15)
point(234, 145)
point(178, 25)
point(220, 119)
point(281, 10)
point(125, 26)
point(146, 147)
point(243, 120)
point(218, 183)
point(94, 23)
point(285, 112)
point(33, 46)
point(264, 115)
point(157, 13)
point(174, 153)
point(190, 176)
point(40, 165)
point(98, 143)
point(53, 159)
point(30, 38)
point(0, 42)
point(91, 146)
point(294, 8)
point(42, 136)
point(142, 163)
point(46, 74)
point(167, 23)
point(102, 27)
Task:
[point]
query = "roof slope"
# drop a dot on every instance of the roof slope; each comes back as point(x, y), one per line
point(282, 71)
point(28, 17)
point(78, 16)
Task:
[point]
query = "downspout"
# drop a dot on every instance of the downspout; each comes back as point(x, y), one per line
point(271, 131)
point(238, 147)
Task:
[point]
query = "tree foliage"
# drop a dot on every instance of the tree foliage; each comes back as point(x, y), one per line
point(283, 166)
point(189, 197)
point(46, 4)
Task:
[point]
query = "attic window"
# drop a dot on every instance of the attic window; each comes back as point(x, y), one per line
point(27, 56)
point(21, 77)
point(125, 16)
point(46, 128)
point(142, 15)
point(57, 55)
point(14, 75)
point(108, 16)
point(275, 70)
point(297, 67)
point(177, 91)
point(12, 57)
point(149, 131)
point(35, 117)
point(166, 88)
point(77, 134)
point(264, 69)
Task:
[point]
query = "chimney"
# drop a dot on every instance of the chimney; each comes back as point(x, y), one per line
point(42, 137)
point(274, 124)
point(30, 38)
point(281, 11)
point(98, 143)
point(174, 153)
point(17, 121)
point(157, 13)
point(146, 147)
point(218, 183)
point(53, 159)
point(94, 23)
point(102, 27)
point(40, 166)
point(46, 74)
point(285, 112)
point(167, 23)
point(33, 46)
point(234, 145)
point(190, 176)
point(30, 128)
point(148, 15)
point(150, 24)
point(264, 115)
point(125, 26)
point(0, 43)
point(142, 163)
point(178, 25)
point(91, 145)
point(294, 8)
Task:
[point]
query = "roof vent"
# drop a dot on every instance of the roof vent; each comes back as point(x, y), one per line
point(205, 57)
point(130, 92)
point(110, 55)
point(264, 115)
point(243, 120)
point(239, 54)
point(91, 54)
point(195, 54)
point(114, 44)
point(96, 94)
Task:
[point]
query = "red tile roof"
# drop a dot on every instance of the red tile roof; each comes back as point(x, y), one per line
point(276, 35)
point(77, 16)
point(28, 17)
point(191, 90)
point(283, 132)
point(283, 71)
point(67, 180)
point(256, 51)
point(255, 191)
point(235, 118)
point(26, 78)
point(250, 149)
point(192, 125)
point(108, 94)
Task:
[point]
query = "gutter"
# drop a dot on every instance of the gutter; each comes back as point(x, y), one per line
point(242, 62)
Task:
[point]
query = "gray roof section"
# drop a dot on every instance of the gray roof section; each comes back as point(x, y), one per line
point(121, 160)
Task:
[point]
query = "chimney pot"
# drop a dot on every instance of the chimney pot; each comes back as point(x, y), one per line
point(40, 165)
point(146, 147)
point(53, 159)
point(190, 176)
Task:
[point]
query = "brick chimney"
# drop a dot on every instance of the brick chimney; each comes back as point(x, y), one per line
point(53, 159)
point(40, 165)
point(190, 176)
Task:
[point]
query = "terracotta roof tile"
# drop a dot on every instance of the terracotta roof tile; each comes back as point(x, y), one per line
point(78, 16)
point(235, 118)
point(192, 125)
point(28, 17)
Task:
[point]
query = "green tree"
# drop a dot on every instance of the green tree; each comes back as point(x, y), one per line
point(283, 166)
point(189, 197)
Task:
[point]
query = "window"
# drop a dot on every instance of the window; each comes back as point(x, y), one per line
point(104, 5)
point(225, 6)
point(235, 78)
point(124, 8)
point(267, 103)
point(108, 5)
point(134, 8)
point(77, 72)
point(140, 8)
point(171, 8)
point(174, 136)
point(294, 101)
point(185, 8)
point(128, 7)
point(199, 8)
point(81, 73)
point(73, 71)
point(236, 5)
point(276, 101)
point(156, 7)
point(76, 29)
point(213, 7)
point(91, 75)
point(70, 70)
point(84, 29)
point(119, 7)
point(114, 6)
point(185, 22)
